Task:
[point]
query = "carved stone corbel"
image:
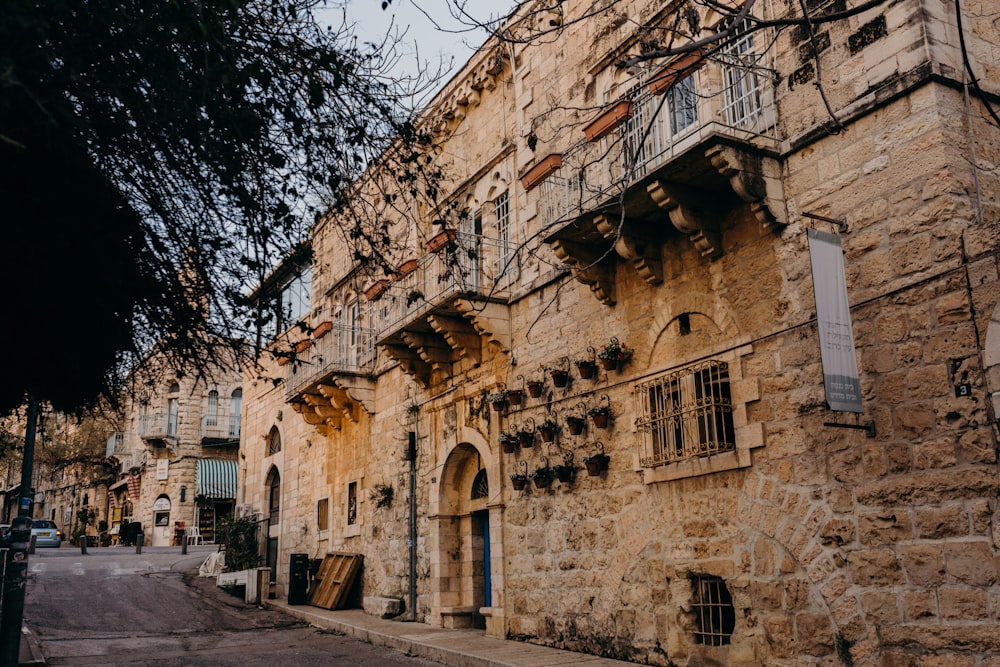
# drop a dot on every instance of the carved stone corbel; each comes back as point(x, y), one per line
point(590, 267)
point(755, 179)
point(702, 228)
point(410, 362)
point(360, 389)
point(488, 319)
point(460, 336)
point(643, 253)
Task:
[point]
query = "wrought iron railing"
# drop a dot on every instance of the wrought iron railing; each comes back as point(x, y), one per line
point(685, 414)
point(471, 265)
point(344, 349)
point(732, 97)
point(158, 425)
point(116, 444)
point(221, 428)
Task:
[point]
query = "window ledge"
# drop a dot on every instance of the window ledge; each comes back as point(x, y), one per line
point(752, 435)
point(352, 530)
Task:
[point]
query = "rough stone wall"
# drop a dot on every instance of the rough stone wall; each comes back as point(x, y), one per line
point(836, 548)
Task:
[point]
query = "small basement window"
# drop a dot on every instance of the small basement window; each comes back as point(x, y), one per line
point(712, 606)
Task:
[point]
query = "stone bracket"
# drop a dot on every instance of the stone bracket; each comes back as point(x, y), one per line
point(701, 226)
point(410, 362)
point(489, 319)
point(755, 179)
point(591, 266)
point(460, 335)
point(642, 252)
point(360, 389)
point(340, 400)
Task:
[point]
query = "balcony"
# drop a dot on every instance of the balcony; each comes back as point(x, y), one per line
point(331, 379)
point(220, 431)
point(696, 146)
point(158, 430)
point(116, 445)
point(441, 312)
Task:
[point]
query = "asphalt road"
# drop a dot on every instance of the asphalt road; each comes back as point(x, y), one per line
point(113, 607)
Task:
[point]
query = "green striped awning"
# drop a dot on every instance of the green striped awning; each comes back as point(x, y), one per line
point(215, 479)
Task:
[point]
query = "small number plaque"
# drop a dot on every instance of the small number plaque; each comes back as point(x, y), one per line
point(964, 389)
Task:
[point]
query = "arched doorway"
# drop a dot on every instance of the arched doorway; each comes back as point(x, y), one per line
point(462, 570)
point(272, 488)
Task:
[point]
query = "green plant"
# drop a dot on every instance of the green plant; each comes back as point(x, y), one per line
point(382, 495)
point(544, 473)
point(614, 350)
point(239, 535)
point(496, 396)
point(600, 410)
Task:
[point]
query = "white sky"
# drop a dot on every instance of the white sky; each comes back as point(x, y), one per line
point(424, 42)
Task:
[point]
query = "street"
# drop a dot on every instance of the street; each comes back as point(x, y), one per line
point(113, 607)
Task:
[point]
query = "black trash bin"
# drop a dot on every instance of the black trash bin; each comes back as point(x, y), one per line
point(298, 578)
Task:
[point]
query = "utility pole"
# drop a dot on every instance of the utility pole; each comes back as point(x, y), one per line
point(12, 614)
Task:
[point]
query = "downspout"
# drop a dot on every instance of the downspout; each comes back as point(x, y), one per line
point(411, 454)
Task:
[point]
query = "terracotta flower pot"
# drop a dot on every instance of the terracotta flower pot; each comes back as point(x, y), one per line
point(499, 405)
point(594, 468)
point(535, 388)
point(541, 481)
point(526, 438)
point(509, 446)
point(564, 474)
point(548, 433)
point(586, 370)
point(575, 425)
point(600, 420)
point(560, 378)
point(518, 482)
point(609, 364)
point(515, 396)
point(440, 240)
point(377, 289)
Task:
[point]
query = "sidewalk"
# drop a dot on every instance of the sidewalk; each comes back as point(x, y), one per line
point(456, 648)
point(31, 649)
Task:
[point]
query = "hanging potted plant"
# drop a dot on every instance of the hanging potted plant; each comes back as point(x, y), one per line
point(566, 472)
point(497, 399)
point(508, 443)
point(548, 430)
point(575, 424)
point(597, 463)
point(586, 366)
point(515, 396)
point(534, 387)
point(612, 354)
point(526, 433)
point(376, 289)
point(559, 373)
point(520, 479)
point(542, 476)
point(600, 415)
point(406, 268)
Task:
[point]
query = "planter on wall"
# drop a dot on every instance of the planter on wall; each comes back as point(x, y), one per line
point(541, 170)
point(575, 425)
point(441, 239)
point(377, 289)
point(548, 432)
point(600, 419)
point(302, 345)
point(406, 268)
point(518, 482)
point(535, 388)
point(611, 118)
point(596, 464)
point(559, 377)
point(586, 369)
point(676, 70)
point(322, 329)
point(515, 396)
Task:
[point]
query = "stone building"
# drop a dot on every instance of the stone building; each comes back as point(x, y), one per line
point(664, 206)
point(176, 458)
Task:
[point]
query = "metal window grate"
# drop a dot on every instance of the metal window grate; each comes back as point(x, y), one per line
point(712, 606)
point(685, 414)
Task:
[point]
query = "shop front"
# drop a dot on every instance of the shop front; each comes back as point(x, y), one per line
point(215, 495)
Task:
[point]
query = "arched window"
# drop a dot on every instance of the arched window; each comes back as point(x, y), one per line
point(481, 485)
point(273, 496)
point(235, 410)
point(173, 406)
point(273, 441)
point(212, 413)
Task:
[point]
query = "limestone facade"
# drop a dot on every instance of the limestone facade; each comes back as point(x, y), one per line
point(668, 212)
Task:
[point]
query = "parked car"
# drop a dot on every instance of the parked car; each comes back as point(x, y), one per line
point(46, 533)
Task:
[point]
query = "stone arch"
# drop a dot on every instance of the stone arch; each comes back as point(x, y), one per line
point(716, 312)
point(464, 541)
point(798, 524)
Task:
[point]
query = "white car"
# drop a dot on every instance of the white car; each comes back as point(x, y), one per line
point(46, 533)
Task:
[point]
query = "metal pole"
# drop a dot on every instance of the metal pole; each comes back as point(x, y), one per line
point(411, 454)
point(138, 543)
point(12, 615)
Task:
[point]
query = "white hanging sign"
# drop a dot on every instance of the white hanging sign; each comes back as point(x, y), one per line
point(833, 313)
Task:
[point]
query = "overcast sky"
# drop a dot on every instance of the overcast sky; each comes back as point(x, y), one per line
point(424, 42)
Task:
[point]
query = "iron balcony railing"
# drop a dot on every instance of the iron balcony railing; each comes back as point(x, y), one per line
point(220, 428)
point(728, 96)
point(116, 444)
point(158, 425)
point(344, 349)
point(472, 265)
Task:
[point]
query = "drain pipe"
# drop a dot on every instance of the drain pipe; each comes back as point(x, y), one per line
point(411, 455)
